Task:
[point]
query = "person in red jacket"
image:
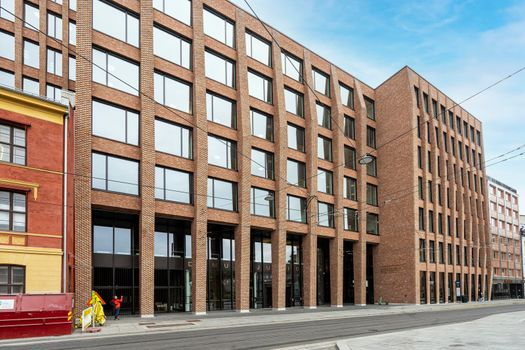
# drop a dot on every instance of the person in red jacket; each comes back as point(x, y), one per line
point(116, 306)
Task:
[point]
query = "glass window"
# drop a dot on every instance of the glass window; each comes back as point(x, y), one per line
point(296, 209)
point(31, 86)
point(219, 69)
point(7, 46)
point(54, 26)
point(325, 214)
point(111, 240)
point(115, 72)
point(262, 164)
point(350, 188)
point(171, 47)
point(115, 174)
point(325, 181)
point(262, 125)
point(7, 7)
point(261, 204)
point(31, 54)
point(116, 22)
point(54, 62)
point(371, 194)
point(72, 71)
point(324, 148)
point(324, 117)
point(350, 157)
point(73, 5)
point(349, 127)
point(296, 173)
point(221, 110)
point(115, 123)
point(173, 185)
point(7, 78)
point(12, 144)
point(371, 137)
point(421, 219)
point(219, 28)
point(321, 82)
point(292, 66)
point(31, 17)
point(222, 194)
point(296, 137)
point(178, 9)
point(12, 211)
point(173, 139)
point(371, 168)
point(12, 277)
point(372, 223)
point(350, 220)
point(161, 244)
point(370, 108)
point(258, 49)
point(347, 96)
point(53, 92)
point(72, 33)
point(260, 87)
point(294, 102)
point(222, 152)
point(173, 93)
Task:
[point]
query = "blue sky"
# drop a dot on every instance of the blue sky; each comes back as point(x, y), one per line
point(459, 46)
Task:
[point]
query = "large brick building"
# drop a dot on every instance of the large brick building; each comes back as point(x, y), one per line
point(507, 258)
point(245, 189)
point(32, 206)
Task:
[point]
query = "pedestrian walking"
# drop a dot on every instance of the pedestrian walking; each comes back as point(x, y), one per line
point(116, 306)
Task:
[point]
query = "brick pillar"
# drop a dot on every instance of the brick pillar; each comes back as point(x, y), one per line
point(360, 272)
point(310, 240)
point(82, 180)
point(360, 246)
point(243, 231)
point(281, 150)
point(199, 227)
point(336, 244)
point(147, 166)
point(43, 40)
point(19, 46)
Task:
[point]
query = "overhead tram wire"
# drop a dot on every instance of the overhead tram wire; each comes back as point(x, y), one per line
point(170, 110)
point(408, 131)
point(336, 212)
point(440, 115)
point(191, 123)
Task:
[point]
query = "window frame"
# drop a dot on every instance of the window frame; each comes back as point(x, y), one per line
point(9, 285)
point(164, 189)
point(226, 61)
point(11, 144)
point(11, 210)
point(234, 199)
point(127, 13)
point(106, 172)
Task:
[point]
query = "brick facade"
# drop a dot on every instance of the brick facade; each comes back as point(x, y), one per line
point(394, 251)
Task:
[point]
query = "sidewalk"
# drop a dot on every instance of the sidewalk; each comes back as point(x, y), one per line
point(180, 322)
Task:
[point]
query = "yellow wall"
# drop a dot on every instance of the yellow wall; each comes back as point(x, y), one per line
point(43, 266)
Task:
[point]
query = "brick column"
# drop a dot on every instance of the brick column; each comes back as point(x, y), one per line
point(82, 180)
point(281, 150)
point(19, 43)
point(337, 243)
point(199, 227)
point(310, 240)
point(147, 166)
point(43, 40)
point(360, 246)
point(244, 148)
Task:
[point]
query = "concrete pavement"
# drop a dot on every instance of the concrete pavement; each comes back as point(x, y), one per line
point(297, 320)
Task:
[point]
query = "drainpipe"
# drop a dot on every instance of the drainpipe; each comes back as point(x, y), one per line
point(65, 178)
point(69, 97)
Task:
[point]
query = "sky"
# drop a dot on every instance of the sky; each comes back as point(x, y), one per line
point(460, 46)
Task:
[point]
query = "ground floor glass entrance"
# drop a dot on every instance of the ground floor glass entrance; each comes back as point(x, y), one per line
point(294, 271)
point(261, 269)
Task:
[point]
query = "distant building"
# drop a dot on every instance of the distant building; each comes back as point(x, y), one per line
point(32, 194)
point(507, 243)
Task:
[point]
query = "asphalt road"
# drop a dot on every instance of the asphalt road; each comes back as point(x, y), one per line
point(278, 335)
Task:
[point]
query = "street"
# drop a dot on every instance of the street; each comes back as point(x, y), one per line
point(278, 335)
